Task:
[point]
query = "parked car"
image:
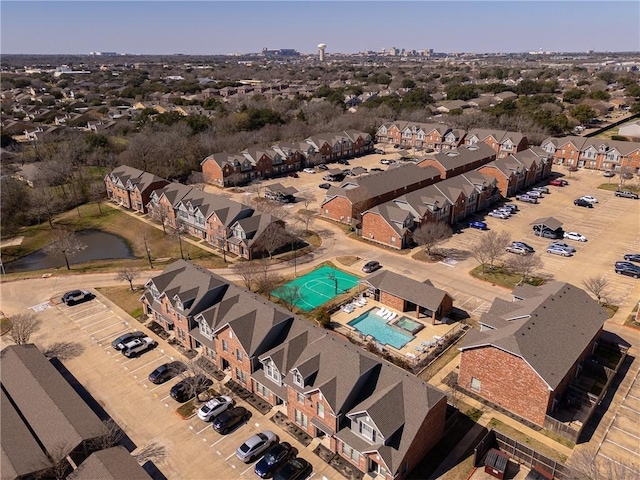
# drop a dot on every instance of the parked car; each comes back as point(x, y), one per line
point(627, 268)
point(563, 245)
point(295, 469)
point(396, 146)
point(524, 245)
point(76, 296)
point(379, 151)
point(520, 248)
point(342, 161)
point(626, 194)
point(546, 233)
point(581, 202)
point(526, 198)
point(215, 407)
point(166, 372)
point(256, 445)
point(385, 161)
point(632, 257)
point(478, 224)
point(558, 182)
point(498, 214)
point(589, 198)
point(541, 189)
point(609, 173)
point(325, 186)
point(559, 251)
point(511, 206)
point(274, 458)
point(309, 170)
point(534, 194)
point(371, 266)
point(376, 169)
point(189, 387)
point(294, 175)
point(231, 417)
point(119, 342)
point(575, 236)
point(138, 346)
point(322, 166)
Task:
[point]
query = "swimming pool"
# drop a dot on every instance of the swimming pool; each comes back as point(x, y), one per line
point(371, 324)
point(409, 325)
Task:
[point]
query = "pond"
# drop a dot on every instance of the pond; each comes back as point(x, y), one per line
point(99, 246)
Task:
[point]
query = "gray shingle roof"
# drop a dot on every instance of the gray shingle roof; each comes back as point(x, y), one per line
point(550, 331)
point(423, 294)
point(462, 156)
point(582, 143)
point(548, 222)
point(110, 464)
point(54, 412)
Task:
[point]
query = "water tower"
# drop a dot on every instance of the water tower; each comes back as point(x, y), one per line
point(321, 49)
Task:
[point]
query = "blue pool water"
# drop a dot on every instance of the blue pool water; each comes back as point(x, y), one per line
point(408, 324)
point(371, 324)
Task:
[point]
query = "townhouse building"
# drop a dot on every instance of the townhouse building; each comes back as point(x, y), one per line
point(132, 188)
point(392, 223)
point(224, 169)
point(436, 136)
point(517, 172)
point(504, 143)
point(529, 350)
point(230, 226)
point(355, 195)
point(373, 414)
point(594, 153)
point(460, 160)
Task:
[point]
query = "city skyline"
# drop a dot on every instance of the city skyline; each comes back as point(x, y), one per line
point(213, 28)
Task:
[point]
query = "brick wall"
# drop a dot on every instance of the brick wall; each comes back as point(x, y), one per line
point(506, 380)
point(212, 173)
point(339, 209)
point(233, 345)
point(376, 229)
point(392, 301)
point(308, 406)
point(502, 181)
point(432, 163)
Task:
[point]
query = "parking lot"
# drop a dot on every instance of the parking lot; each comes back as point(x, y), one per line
point(145, 411)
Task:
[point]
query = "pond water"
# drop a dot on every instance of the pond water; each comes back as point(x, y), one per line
point(100, 246)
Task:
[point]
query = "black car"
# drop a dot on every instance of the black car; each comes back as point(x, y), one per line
point(230, 418)
point(325, 186)
point(294, 469)
point(166, 372)
point(189, 387)
point(545, 233)
point(342, 161)
point(119, 342)
point(376, 169)
point(632, 257)
point(322, 166)
point(582, 203)
point(76, 296)
point(274, 458)
point(627, 268)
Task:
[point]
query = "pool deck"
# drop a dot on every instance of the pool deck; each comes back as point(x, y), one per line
point(409, 351)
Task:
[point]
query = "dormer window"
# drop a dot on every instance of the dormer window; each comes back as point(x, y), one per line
point(179, 304)
point(271, 372)
point(367, 431)
point(297, 379)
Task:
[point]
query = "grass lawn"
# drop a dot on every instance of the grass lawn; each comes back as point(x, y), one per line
point(348, 260)
point(111, 220)
point(499, 276)
point(5, 325)
point(124, 298)
point(547, 450)
point(613, 186)
point(439, 364)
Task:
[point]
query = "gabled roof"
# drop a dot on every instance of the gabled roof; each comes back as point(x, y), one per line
point(51, 409)
point(549, 330)
point(549, 222)
point(462, 156)
point(582, 143)
point(110, 464)
point(420, 293)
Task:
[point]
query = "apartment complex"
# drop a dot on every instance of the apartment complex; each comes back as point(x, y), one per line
point(502, 142)
point(392, 223)
point(224, 169)
point(131, 188)
point(436, 136)
point(529, 350)
point(460, 160)
point(230, 226)
point(375, 415)
point(594, 153)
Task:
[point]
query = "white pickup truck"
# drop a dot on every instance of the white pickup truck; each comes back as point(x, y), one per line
point(138, 345)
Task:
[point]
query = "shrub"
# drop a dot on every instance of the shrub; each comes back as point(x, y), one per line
point(323, 317)
point(619, 137)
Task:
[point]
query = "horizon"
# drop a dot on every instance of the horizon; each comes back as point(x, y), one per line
point(220, 28)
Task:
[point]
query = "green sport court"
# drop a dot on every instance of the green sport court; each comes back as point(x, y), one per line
point(319, 287)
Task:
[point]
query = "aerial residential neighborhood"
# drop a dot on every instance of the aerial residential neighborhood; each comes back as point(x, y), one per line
point(336, 261)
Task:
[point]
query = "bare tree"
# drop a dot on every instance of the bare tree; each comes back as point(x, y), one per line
point(248, 271)
point(110, 439)
point(235, 179)
point(178, 232)
point(524, 265)
point(306, 217)
point(306, 198)
point(481, 254)
point(65, 244)
point(23, 326)
point(60, 467)
point(290, 295)
point(598, 286)
point(495, 245)
point(273, 237)
point(152, 452)
point(127, 274)
point(266, 281)
point(431, 234)
point(145, 244)
point(198, 382)
point(586, 464)
point(45, 202)
point(97, 193)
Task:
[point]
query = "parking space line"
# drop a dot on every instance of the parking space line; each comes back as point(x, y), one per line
point(233, 454)
point(163, 399)
point(71, 315)
point(629, 408)
point(155, 388)
point(625, 431)
point(88, 317)
point(245, 471)
point(217, 442)
point(143, 366)
point(96, 323)
point(105, 328)
point(618, 463)
point(198, 433)
point(621, 446)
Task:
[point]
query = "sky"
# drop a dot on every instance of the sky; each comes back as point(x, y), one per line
point(219, 27)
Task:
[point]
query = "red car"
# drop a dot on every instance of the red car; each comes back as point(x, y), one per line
point(294, 175)
point(558, 183)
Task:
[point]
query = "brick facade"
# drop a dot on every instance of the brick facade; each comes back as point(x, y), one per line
point(392, 301)
point(594, 153)
point(231, 356)
point(376, 229)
